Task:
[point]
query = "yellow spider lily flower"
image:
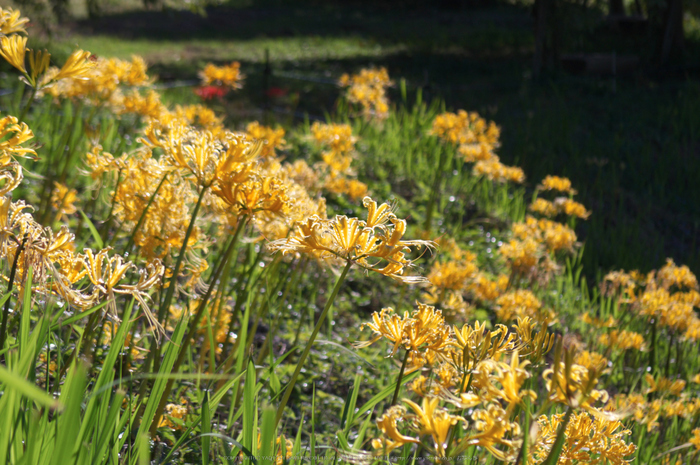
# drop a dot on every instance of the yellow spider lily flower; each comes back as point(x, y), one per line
point(556, 183)
point(432, 420)
point(38, 63)
point(387, 424)
point(76, 66)
point(11, 23)
point(228, 75)
point(353, 240)
point(63, 200)
point(12, 135)
point(589, 439)
point(12, 49)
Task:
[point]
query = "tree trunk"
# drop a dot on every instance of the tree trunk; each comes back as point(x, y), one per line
point(617, 8)
point(547, 28)
point(673, 31)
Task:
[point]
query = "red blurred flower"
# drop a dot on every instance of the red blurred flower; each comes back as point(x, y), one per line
point(210, 92)
point(275, 92)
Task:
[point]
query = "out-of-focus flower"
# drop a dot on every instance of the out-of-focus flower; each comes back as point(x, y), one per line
point(227, 75)
point(556, 183)
point(368, 90)
point(12, 49)
point(211, 92)
point(11, 23)
point(63, 200)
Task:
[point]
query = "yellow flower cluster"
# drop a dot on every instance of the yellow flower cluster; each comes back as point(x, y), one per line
point(368, 90)
point(518, 304)
point(374, 244)
point(556, 183)
point(155, 197)
point(459, 278)
point(227, 75)
point(496, 171)
point(565, 205)
point(468, 130)
point(175, 414)
point(650, 412)
point(57, 270)
point(622, 340)
point(463, 368)
point(534, 244)
point(573, 385)
point(452, 354)
point(588, 439)
point(11, 23)
point(12, 135)
point(13, 49)
point(273, 138)
point(63, 200)
point(103, 82)
point(665, 300)
point(668, 296)
point(423, 332)
point(477, 140)
point(335, 173)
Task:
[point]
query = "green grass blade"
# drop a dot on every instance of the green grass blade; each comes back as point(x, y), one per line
point(383, 394)
point(12, 381)
point(93, 231)
point(249, 414)
point(206, 429)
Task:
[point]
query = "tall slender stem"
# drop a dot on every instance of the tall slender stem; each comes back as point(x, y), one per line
point(398, 380)
point(555, 451)
point(108, 220)
point(312, 338)
point(26, 107)
point(139, 223)
point(10, 285)
point(171, 289)
point(187, 340)
point(435, 194)
point(652, 351)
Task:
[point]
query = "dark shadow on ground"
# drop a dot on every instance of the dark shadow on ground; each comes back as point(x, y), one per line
point(416, 27)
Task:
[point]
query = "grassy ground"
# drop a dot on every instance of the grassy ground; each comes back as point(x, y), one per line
point(628, 142)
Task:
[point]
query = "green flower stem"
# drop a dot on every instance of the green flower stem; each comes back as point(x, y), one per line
point(173, 280)
point(51, 173)
point(139, 223)
point(307, 349)
point(21, 116)
point(398, 380)
point(165, 303)
point(10, 285)
point(667, 369)
point(435, 193)
point(108, 220)
point(453, 430)
point(295, 277)
point(525, 448)
point(194, 322)
point(652, 349)
point(555, 452)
